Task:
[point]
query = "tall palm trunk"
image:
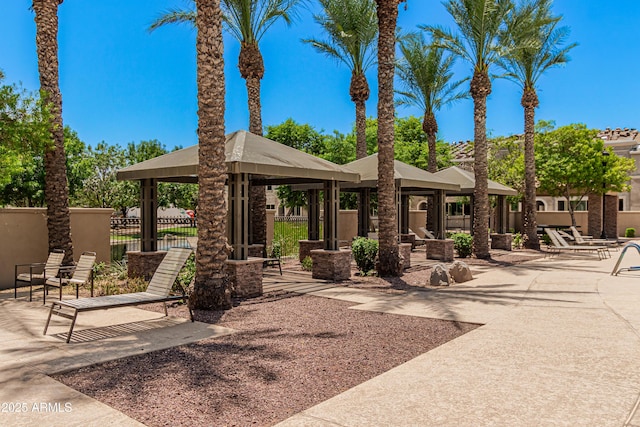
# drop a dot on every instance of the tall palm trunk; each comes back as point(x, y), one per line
point(480, 89)
point(530, 102)
point(430, 128)
point(56, 190)
point(359, 91)
point(252, 70)
point(211, 286)
point(388, 255)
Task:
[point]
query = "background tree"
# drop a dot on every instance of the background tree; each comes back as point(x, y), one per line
point(569, 165)
point(351, 27)
point(211, 288)
point(388, 255)
point(56, 190)
point(478, 24)
point(533, 43)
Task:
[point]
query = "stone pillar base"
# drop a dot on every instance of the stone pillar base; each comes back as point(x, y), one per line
point(331, 265)
point(440, 249)
point(408, 238)
point(256, 250)
point(143, 264)
point(245, 277)
point(405, 251)
point(306, 246)
point(501, 241)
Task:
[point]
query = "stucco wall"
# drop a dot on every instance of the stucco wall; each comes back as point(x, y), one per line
point(347, 225)
point(417, 219)
point(23, 237)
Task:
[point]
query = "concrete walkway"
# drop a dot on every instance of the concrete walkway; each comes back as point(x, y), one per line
point(560, 346)
point(29, 397)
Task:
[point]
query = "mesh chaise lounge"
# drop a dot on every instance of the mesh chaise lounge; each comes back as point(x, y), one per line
point(559, 245)
point(38, 272)
point(81, 273)
point(158, 290)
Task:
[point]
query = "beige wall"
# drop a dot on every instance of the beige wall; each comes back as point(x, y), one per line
point(23, 237)
point(626, 219)
point(270, 219)
point(417, 219)
point(347, 225)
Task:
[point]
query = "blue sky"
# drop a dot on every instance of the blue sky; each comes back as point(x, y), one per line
point(120, 83)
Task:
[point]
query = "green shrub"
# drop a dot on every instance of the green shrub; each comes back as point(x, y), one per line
point(307, 263)
point(364, 252)
point(276, 249)
point(186, 275)
point(546, 239)
point(517, 240)
point(630, 232)
point(463, 244)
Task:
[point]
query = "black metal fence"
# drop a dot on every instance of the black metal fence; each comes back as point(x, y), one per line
point(172, 232)
point(287, 231)
point(182, 232)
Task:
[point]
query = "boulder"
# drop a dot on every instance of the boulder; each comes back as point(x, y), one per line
point(460, 272)
point(440, 276)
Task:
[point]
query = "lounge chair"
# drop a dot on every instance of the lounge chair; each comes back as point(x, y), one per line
point(158, 290)
point(419, 241)
point(427, 234)
point(588, 240)
point(38, 272)
point(81, 273)
point(559, 245)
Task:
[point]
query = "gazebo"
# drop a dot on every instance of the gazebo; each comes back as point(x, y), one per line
point(466, 180)
point(408, 180)
point(250, 160)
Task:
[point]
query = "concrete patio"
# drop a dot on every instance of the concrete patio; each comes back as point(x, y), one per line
point(559, 345)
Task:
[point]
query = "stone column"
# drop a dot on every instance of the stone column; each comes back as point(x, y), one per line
point(611, 216)
point(594, 215)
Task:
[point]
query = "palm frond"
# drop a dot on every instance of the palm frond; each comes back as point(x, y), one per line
point(425, 73)
point(174, 16)
point(352, 28)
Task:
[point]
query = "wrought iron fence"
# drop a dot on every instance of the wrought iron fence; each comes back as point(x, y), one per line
point(172, 232)
point(287, 231)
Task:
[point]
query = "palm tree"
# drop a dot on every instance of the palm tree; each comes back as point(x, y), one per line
point(56, 189)
point(427, 77)
point(352, 27)
point(211, 288)
point(388, 256)
point(532, 42)
point(247, 21)
point(479, 23)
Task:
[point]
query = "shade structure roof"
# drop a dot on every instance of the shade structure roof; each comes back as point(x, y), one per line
point(406, 176)
point(245, 153)
point(467, 181)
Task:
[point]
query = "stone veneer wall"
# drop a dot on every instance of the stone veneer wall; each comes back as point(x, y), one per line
point(143, 264)
point(331, 265)
point(405, 251)
point(245, 277)
point(440, 249)
point(501, 241)
point(306, 246)
point(408, 238)
point(256, 250)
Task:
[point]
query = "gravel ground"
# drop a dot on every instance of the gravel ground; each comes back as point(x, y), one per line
point(290, 353)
